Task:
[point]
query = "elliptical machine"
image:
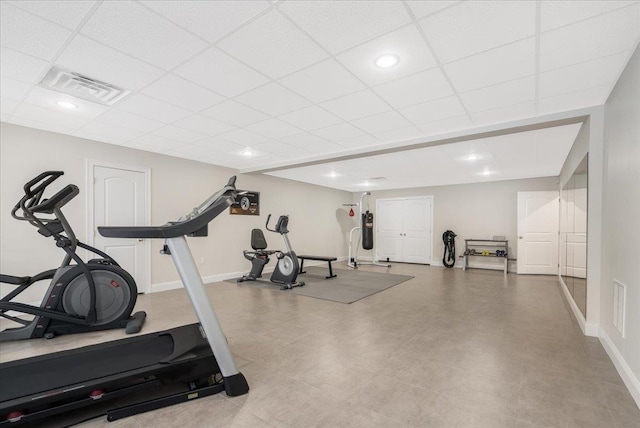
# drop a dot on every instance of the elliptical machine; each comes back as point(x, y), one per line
point(96, 295)
point(287, 268)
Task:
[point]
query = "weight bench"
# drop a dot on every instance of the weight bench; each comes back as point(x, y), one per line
point(318, 258)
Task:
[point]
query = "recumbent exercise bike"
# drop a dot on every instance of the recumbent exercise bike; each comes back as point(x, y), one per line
point(287, 268)
point(96, 295)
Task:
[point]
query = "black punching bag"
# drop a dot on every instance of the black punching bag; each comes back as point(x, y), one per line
point(367, 230)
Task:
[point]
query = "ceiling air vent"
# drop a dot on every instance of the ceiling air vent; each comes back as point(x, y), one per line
point(377, 178)
point(80, 86)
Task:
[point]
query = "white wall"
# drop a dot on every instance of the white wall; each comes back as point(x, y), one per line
point(317, 224)
point(621, 221)
point(479, 210)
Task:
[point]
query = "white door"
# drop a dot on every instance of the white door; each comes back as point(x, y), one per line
point(119, 200)
point(404, 230)
point(417, 231)
point(538, 227)
point(389, 215)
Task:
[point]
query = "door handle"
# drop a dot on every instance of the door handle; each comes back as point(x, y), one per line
point(140, 240)
point(519, 237)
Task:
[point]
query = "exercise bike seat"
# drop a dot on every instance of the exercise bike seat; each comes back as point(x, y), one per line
point(258, 241)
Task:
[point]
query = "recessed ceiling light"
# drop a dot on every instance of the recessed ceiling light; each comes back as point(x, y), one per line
point(333, 174)
point(486, 172)
point(387, 60)
point(66, 104)
point(247, 152)
point(472, 157)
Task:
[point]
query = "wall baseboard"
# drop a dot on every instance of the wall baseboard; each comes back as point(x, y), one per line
point(627, 375)
point(172, 285)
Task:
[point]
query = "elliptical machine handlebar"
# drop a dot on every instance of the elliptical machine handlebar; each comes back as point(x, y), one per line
point(267, 224)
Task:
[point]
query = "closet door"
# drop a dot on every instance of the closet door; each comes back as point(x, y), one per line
point(417, 231)
point(389, 217)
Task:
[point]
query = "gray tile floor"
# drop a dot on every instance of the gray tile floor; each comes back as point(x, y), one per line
point(445, 349)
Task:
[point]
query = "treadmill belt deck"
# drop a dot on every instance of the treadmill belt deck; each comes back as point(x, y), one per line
point(36, 376)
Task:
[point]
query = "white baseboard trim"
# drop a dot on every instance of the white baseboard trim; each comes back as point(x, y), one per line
point(172, 285)
point(627, 375)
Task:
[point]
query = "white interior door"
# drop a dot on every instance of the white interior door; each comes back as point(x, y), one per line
point(119, 200)
point(417, 231)
point(404, 230)
point(538, 228)
point(389, 215)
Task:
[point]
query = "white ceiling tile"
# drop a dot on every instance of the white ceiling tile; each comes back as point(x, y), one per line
point(554, 13)
point(574, 100)
point(332, 23)
point(310, 118)
point(599, 72)
point(182, 93)
point(66, 13)
point(107, 133)
point(152, 108)
point(512, 149)
point(208, 19)
point(100, 62)
point(48, 116)
point(313, 144)
point(154, 143)
point(273, 99)
point(13, 89)
point(357, 105)
point(189, 151)
point(204, 125)
point(240, 136)
point(475, 26)
point(45, 126)
point(450, 124)
point(305, 136)
point(413, 53)
point(420, 87)
point(500, 95)
point(273, 45)
point(495, 66)
point(235, 113)
point(19, 66)
point(401, 134)
point(381, 122)
point(219, 72)
point(596, 37)
point(47, 98)
point(218, 145)
point(338, 132)
point(273, 128)
point(504, 114)
point(433, 110)
point(179, 134)
point(360, 141)
point(7, 105)
point(24, 32)
point(129, 120)
point(323, 81)
point(4, 117)
point(135, 30)
point(428, 7)
point(279, 148)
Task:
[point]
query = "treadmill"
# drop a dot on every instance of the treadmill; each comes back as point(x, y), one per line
point(195, 357)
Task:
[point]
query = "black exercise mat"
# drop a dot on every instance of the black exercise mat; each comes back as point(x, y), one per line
point(348, 287)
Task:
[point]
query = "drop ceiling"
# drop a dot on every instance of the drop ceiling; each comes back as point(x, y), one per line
point(291, 81)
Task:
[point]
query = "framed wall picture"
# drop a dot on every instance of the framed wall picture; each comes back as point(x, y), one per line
point(247, 203)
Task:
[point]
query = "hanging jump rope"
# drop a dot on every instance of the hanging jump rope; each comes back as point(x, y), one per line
point(449, 239)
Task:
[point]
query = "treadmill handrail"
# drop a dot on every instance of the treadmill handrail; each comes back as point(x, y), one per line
point(187, 224)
